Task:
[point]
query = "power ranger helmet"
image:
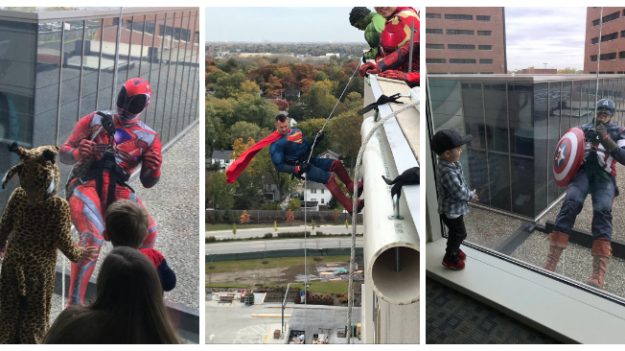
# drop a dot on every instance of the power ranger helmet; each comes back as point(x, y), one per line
point(133, 98)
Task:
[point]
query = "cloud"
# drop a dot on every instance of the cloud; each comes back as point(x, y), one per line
point(551, 36)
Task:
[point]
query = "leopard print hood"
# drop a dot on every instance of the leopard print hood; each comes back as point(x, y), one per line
point(38, 172)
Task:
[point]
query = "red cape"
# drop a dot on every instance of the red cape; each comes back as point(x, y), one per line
point(238, 166)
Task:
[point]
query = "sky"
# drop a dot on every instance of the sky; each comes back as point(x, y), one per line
point(281, 24)
point(539, 37)
point(545, 37)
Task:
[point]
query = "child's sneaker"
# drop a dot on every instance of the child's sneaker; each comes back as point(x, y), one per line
point(454, 266)
point(462, 255)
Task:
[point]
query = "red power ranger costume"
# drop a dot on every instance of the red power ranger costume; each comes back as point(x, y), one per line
point(108, 148)
point(394, 55)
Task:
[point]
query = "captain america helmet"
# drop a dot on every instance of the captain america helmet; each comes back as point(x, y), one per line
point(606, 106)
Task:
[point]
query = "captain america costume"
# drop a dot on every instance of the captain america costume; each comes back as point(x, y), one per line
point(113, 158)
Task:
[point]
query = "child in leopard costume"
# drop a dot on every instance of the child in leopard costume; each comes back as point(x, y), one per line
point(35, 222)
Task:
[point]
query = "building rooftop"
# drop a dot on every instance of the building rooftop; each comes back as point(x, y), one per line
point(35, 14)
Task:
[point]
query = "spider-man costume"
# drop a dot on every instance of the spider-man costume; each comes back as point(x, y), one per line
point(109, 148)
point(393, 58)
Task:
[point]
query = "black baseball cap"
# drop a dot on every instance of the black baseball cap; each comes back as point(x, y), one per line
point(447, 139)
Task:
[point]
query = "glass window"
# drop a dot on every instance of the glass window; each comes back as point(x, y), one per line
point(460, 32)
point(453, 16)
point(432, 15)
point(462, 60)
point(485, 47)
point(434, 46)
point(482, 18)
point(484, 32)
point(433, 31)
point(486, 61)
point(461, 46)
point(435, 60)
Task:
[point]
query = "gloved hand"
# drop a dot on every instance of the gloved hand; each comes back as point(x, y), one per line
point(606, 140)
point(320, 135)
point(368, 68)
point(592, 136)
point(302, 168)
point(86, 148)
point(107, 123)
point(151, 161)
point(393, 74)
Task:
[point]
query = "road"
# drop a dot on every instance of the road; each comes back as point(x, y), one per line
point(281, 244)
point(259, 232)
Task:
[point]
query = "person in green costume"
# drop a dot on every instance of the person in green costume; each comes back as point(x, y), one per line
point(373, 24)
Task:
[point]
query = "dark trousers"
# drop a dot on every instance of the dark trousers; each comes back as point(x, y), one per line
point(455, 235)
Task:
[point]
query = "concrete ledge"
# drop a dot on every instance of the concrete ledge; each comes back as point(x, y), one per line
point(562, 311)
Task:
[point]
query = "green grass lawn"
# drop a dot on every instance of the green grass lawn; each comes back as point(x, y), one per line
point(243, 265)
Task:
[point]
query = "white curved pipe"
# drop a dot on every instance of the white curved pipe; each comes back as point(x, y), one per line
point(391, 245)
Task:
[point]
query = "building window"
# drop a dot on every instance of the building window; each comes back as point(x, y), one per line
point(461, 46)
point(323, 191)
point(484, 32)
point(482, 18)
point(485, 47)
point(608, 56)
point(595, 40)
point(462, 61)
point(608, 18)
point(313, 191)
point(621, 54)
point(433, 31)
point(593, 58)
point(623, 33)
point(609, 37)
point(323, 201)
point(486, 61)
point(460, 32)
point(454, 16)
point(435, 46)
point(434, 60)
point(432, 15)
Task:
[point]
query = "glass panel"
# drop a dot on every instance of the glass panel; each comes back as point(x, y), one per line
point(108, 39)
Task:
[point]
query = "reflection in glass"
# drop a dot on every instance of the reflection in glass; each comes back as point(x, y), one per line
point(516, 123)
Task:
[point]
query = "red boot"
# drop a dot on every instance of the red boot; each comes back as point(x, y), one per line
point(338, 194)
point(557, 243)
point(601, 252)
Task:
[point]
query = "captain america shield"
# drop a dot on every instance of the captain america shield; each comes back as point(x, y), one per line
point(568, 156)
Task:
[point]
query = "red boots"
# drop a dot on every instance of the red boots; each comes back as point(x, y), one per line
point(601, 252)
point(557, 243)
point(343, 199)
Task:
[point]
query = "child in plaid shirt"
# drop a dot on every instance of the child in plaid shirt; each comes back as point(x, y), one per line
point(453, 193)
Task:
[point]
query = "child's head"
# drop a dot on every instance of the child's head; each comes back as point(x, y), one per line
point(129, 287)
point(447, 144)
point(126, 224)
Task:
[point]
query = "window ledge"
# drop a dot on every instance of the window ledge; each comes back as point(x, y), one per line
point(564, 312)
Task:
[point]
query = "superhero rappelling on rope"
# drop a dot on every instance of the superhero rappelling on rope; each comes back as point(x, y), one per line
point(585, 162)
point(106, 148)
point(289, 153)
point(398, 55)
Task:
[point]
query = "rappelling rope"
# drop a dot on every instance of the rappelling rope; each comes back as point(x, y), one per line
point(598, 61)
point(312, 148)
point(350, 290)
point(64, 259)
